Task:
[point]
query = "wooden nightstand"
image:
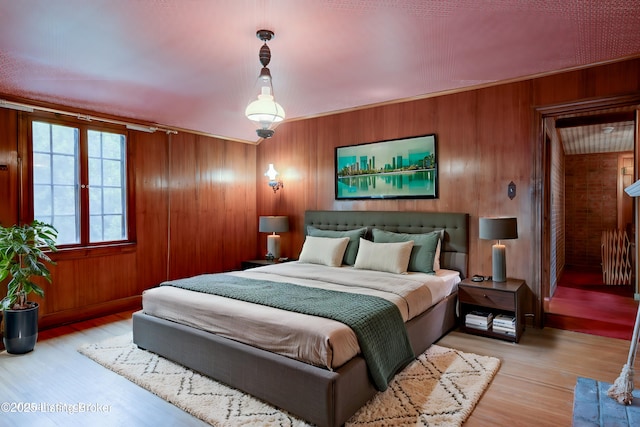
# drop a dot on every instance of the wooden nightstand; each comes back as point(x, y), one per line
point(253, 263)
point(497, 298)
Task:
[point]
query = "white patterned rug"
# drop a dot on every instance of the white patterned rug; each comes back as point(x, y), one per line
point(440, 388)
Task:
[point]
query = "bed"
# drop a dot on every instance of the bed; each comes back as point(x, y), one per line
point(325, 392)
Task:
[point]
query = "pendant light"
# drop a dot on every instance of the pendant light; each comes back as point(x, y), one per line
point(265, 112)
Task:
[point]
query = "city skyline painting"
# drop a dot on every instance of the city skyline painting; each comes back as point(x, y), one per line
point(400, 168)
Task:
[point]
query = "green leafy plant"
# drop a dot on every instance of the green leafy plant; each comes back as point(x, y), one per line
point(22, 257)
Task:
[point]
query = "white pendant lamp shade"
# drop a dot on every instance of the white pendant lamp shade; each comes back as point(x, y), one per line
point(265, 110)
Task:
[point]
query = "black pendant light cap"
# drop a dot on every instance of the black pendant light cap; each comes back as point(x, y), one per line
point(265, 35)
point(265, 133)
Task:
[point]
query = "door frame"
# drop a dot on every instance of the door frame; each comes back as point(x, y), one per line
point(542, 188)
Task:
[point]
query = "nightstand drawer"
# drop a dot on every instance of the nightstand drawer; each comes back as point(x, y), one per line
point(489, 298)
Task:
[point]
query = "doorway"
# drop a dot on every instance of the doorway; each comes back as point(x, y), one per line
point(589, 158)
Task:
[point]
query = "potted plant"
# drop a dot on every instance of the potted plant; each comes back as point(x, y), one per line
point(22, 258)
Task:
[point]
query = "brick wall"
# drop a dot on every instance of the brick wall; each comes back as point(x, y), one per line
point(590, 205)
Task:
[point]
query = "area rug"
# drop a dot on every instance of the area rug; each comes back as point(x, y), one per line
point(440, 388)
point(592, 406)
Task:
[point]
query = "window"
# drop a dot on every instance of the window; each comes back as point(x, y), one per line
point(79, 182)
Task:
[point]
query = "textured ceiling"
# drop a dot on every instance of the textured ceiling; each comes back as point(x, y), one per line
point(604, 138)
point(603, 131)
point(193, 64)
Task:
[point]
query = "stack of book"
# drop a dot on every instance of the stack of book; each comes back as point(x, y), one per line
point(478, 320)
point(504, 324)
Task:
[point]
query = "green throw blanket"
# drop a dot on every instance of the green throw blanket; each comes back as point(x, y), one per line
point(376, 322)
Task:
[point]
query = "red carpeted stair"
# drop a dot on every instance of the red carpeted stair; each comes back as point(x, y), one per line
point(582, 303)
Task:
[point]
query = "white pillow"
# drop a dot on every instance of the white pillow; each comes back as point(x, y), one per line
point(323, 250)
point(391, 257)
point(436, 259)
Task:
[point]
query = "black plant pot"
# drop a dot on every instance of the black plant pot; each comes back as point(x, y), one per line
point(20, 329)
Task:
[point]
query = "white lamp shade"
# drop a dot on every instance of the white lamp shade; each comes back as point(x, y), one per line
point(265, 110)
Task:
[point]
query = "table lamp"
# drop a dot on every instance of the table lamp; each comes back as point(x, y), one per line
point(498, 229)
point(273, 224)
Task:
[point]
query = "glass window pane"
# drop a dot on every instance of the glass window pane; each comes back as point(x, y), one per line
point(113, 173)
point(65, 139)
point(64, 200)
point(95, 232)
point(55, 177)
point(68, 231)
point(64, 170)
point(95, 200)
point(112, 146)
point(95, 172)
point(114, 227)
point(41, 168)
point(94, 143)
point(43, 201)
point(113, 201)
point(41, 136)
point(107, 170)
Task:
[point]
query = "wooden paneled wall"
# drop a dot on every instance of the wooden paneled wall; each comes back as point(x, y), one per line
point(8, 168)
point(195, 212)
point(486, 138)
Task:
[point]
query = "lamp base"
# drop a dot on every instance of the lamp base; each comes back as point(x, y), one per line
point(499, 263)
point(273, 246)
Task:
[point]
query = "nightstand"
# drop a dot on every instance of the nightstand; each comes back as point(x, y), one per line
point(253, 263)
point(494, 297)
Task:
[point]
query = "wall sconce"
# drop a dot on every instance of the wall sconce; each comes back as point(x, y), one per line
point(273, 183)
point(498, 229)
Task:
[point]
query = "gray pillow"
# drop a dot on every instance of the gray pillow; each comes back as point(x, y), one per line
point(354, 240)
point(424, 247)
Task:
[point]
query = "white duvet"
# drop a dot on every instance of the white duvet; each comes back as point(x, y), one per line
point(315, 340)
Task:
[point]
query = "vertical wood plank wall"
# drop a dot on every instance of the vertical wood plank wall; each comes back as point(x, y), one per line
point(8, 168)
point(486, 138)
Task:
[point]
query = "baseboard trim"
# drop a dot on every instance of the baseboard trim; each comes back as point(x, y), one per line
point(84, 313)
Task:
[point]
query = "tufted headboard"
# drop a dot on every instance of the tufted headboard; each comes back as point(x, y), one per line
point(455, 244)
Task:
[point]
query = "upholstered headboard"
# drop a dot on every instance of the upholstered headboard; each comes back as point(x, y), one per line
point(455, 244)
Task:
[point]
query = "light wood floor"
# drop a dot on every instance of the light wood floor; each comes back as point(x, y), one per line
point(56, 373)
point(534, 386)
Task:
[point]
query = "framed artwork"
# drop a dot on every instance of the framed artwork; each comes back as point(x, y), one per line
point(400, 168)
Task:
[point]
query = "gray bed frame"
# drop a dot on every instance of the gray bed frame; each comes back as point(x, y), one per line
point(317, 395)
